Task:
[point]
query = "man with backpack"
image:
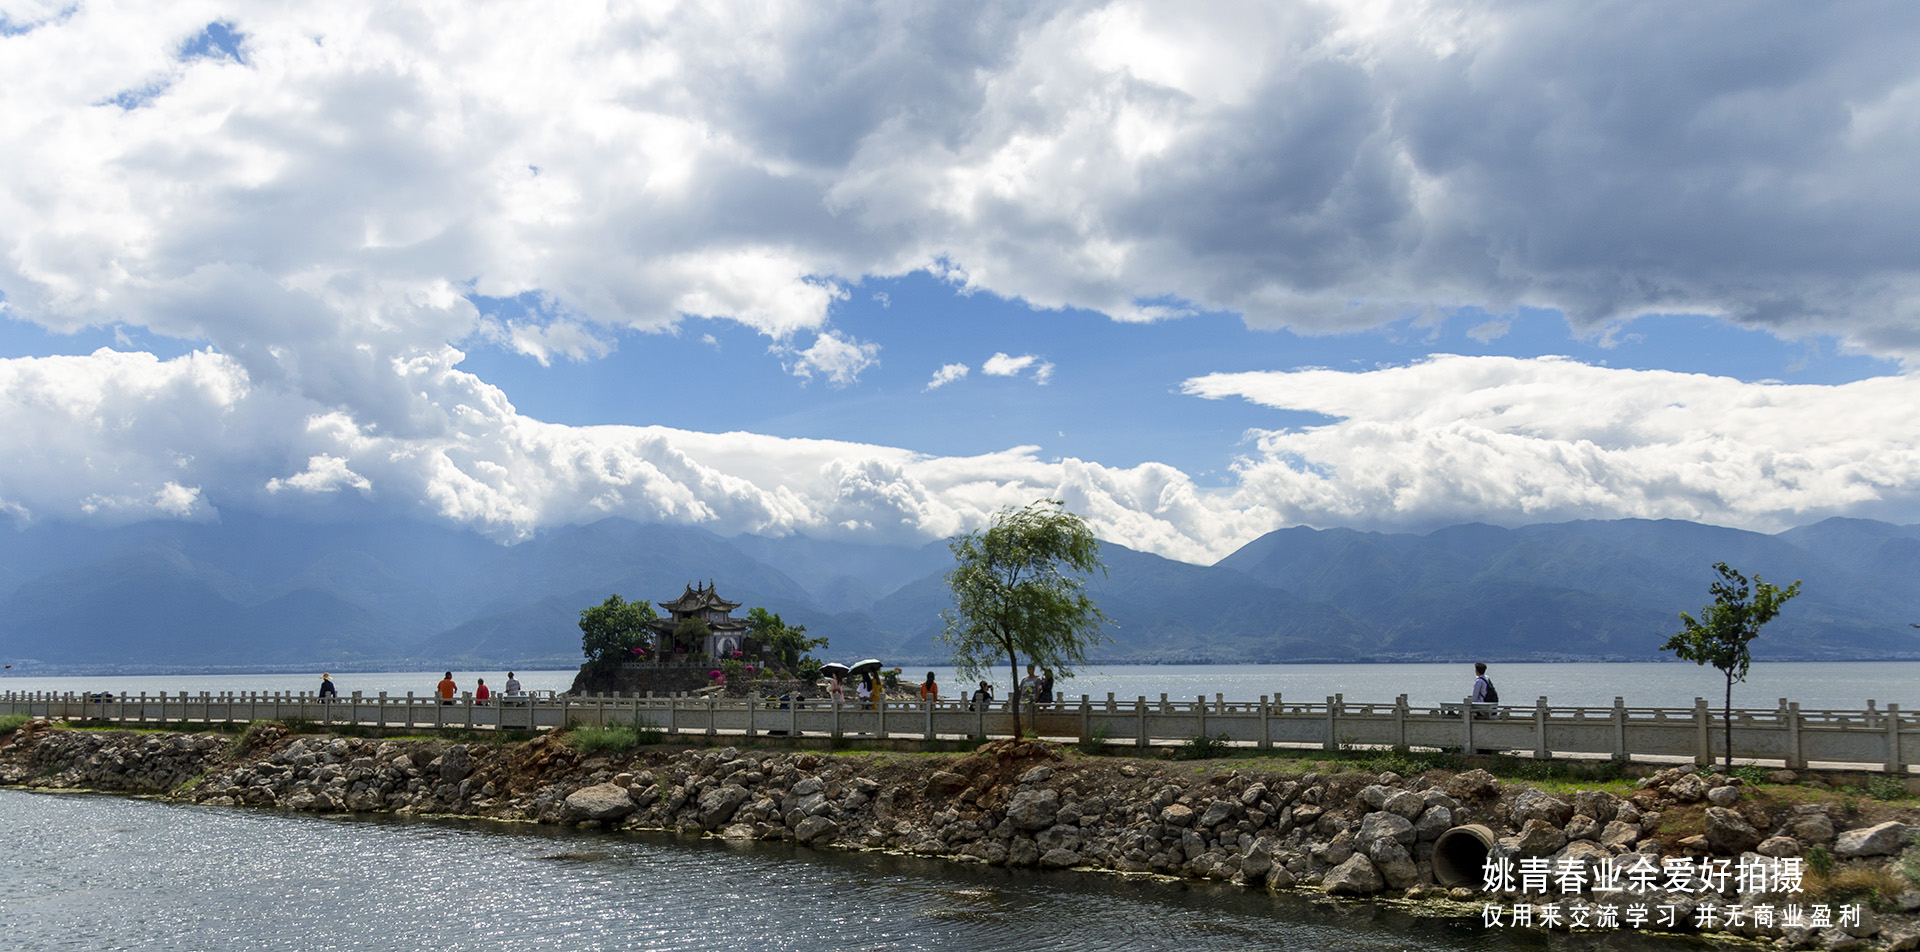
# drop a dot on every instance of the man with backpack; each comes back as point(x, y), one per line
point(1483, 689)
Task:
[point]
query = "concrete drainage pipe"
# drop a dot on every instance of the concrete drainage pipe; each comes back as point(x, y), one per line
point(1460, 856)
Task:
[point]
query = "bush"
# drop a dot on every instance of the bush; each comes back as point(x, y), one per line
point(590, 740)
point(1202, 747)
point(1752, 774)
point(1886, 787)
point(1819, 861)
point(12, 722)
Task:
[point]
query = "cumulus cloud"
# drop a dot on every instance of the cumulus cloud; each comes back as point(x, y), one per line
point(1508, 440)
point(321, 208)
point(948, 373)
point(840, 358)
point(1002, 365)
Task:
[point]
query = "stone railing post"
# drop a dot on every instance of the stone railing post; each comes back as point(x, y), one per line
point(1796, 753)
point(1894, 762)
point(1620, 753)
point(1703, 732)
point(1140, 711)
point(1540, 749)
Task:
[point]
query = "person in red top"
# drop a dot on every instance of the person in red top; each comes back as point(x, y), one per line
point(448, 689)
point(480, 692)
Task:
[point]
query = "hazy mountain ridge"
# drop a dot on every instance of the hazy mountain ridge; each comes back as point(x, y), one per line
point(261, 592)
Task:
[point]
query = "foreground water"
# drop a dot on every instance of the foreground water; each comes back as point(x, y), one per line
point(93, 872)
point(1824, 685)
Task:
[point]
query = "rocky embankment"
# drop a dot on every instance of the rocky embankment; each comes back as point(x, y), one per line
point(1033, 805)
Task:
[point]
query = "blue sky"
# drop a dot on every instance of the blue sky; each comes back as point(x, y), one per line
point(1239, 267)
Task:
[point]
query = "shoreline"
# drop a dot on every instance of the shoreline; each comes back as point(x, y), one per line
point(1315, 827)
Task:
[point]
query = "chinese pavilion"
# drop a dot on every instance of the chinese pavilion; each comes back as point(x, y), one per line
point(726, 634)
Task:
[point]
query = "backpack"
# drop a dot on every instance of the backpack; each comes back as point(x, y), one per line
point(1493, 695)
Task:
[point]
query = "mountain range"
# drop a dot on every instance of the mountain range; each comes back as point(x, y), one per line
point(256, 592)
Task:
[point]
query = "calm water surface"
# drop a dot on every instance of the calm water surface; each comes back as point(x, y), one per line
point(1831, 685)
point(94, 872)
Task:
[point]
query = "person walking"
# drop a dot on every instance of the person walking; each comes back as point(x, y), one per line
point(327, 690)
point(447, 689)
point(1483, 690)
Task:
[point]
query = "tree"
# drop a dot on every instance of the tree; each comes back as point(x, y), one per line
point(1721, 635)
point(690, 633)
point(611, 630)
point(1018, 589)
point(787, 645)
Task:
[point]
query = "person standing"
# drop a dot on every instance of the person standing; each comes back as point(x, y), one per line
point(865, 691)
point(326, 687)
point(982, 697)
point(1046, 686)
point(513, 685)
point(838, 690)
point(929, 691)
point(1030, 685)
point(448, 689)
point(1483, 691)
point(480, 693)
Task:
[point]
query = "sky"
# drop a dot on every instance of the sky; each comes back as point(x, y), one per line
point(876, 271)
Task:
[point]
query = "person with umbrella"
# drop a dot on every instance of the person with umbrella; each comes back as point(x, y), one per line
point(869, 691)
point(836, 687)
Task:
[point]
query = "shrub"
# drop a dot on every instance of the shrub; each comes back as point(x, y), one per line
point(1202, 747)
point(1909, 863)
point(589, 740)
point(733, 670)
point(1819, 862)
point(1886, 787)
point(12, 722)
point(1752, 774)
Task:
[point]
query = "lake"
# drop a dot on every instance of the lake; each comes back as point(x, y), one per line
point(89, 872)
point(1815, 685)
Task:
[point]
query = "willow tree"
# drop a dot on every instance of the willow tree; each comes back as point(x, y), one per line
point(1019, 590)
point(1720, 635)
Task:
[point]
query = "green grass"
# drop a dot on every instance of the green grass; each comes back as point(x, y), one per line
point(1203, 747)
point(593, 740)
point(12, 722)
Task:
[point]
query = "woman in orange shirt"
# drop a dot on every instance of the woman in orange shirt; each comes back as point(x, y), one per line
point(448, 689)
point(929, 691)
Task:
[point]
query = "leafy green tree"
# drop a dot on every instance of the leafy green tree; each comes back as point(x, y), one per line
point(1019, 589)
point(611, 630)
point(1721, 634)
point(689, 634)
point(787, 645)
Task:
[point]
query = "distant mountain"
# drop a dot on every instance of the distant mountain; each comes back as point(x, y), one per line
point(258, 592)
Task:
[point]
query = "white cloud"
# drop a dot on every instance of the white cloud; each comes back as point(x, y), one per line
point(948, 373)
point(324, 474)
point(1506, 440)
point(320, 214)
point(1002, 365)
point(841, 359)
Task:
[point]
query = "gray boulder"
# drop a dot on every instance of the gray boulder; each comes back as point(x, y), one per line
point(717, 806)
point(1535, 805)
point(1034, 809)
point(816, 829)
point(1355, 877)
point(1384, 826)
point(1881, 839)
point(1688, 788)
point(1475, 784)
point(1729, 833)
point(1599, 804)
point(602, 801)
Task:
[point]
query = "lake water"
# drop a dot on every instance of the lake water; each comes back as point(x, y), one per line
point(92, 872)
point(1829, 685)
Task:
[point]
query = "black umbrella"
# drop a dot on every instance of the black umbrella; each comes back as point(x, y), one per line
point(834, 669)
point(868, 666)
